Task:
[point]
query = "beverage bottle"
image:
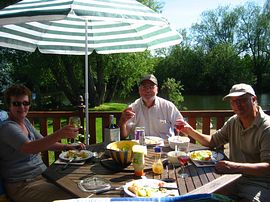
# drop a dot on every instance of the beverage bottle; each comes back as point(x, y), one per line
point(157, 166)
point(138, 159)
point(112, 132)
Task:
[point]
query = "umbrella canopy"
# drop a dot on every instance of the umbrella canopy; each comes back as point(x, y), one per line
point(78, 27)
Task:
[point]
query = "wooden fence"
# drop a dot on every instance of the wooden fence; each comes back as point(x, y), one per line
point(205, 120)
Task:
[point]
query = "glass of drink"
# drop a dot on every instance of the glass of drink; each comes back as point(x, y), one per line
point(179, 125)
point(76, 122)
point(183, 159)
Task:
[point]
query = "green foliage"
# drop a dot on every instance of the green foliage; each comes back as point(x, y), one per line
point(109, 107)
point(225, 47)
point(172, 91)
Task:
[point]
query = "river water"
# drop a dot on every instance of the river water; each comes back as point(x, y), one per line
point(204, 102)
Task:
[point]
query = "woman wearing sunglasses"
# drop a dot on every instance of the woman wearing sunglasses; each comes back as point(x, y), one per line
point(21, 163)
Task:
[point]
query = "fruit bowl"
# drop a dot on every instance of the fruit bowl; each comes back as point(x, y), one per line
point(121, 152)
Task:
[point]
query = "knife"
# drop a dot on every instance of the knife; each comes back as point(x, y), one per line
point(69, 162)
point(109, 189)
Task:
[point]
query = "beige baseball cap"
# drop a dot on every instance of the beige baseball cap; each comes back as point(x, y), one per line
point(240, 89)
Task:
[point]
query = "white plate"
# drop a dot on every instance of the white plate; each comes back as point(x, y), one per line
point(153, 140)
point(215, 156)
point(64, 156)
point(149, 184)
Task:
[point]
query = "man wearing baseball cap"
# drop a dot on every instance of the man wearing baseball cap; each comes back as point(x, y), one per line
point(154, 113)
point(248, 135)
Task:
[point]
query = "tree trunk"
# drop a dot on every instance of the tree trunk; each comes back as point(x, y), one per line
point(101, 86)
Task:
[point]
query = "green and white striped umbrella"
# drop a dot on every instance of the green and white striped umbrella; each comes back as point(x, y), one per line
point(78, 27)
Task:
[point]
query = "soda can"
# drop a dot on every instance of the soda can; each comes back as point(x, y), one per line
point(137, 133)
point(142, 138)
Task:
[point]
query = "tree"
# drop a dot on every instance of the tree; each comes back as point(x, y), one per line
point(107, 73)
point(172, 91)
point(216, 26)
point(254, 34)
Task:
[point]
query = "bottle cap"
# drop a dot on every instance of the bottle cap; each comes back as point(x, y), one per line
point(157, 149)
point(139, 172)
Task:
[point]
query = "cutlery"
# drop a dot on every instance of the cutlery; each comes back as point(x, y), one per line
point(169, 188)
point(109, 189)
point(69, 162)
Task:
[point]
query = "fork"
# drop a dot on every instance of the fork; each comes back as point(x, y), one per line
point(69, 162)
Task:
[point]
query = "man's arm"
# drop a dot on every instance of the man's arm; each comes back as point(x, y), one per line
point(205, 140)
point(255, 169)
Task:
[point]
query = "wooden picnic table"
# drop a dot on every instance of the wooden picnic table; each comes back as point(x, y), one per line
point(200, 180)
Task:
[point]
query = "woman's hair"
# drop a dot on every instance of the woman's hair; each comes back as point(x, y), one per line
point(16, 90)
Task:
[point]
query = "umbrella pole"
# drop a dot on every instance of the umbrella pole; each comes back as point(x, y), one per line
point(87, 135)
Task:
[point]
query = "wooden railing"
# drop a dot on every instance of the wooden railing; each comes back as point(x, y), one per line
point(205, 120)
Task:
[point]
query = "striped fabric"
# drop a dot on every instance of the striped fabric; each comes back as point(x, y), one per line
point(78, 27)
point(59, 27)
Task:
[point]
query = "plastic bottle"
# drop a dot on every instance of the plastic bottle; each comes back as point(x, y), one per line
point(112, 132)
point(157, 166)
point(138, 159)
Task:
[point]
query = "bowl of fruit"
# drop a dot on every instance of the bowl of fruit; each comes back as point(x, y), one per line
point(121, 152)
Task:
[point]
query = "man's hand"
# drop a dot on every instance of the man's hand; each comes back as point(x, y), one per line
point(183, 127)
point(227, 167)
point(127, 114)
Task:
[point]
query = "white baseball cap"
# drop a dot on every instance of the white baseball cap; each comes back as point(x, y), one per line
point(240, 89)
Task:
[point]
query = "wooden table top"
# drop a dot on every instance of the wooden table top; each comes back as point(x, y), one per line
point(200, 180)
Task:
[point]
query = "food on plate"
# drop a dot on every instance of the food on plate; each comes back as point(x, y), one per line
point(148, 190)
point(75, 154)
point(201, 155)
point(152, 140)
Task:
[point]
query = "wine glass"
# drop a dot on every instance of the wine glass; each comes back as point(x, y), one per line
point(75, 121)
point(183, 159)
point(179, 125)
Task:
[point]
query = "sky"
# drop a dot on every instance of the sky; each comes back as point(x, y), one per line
point(183, 13)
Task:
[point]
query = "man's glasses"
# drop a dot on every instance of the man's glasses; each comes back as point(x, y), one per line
point(146, 87)
point(18, 104)
point(240, 101)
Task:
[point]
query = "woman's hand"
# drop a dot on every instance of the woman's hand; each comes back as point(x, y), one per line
point(68, 131)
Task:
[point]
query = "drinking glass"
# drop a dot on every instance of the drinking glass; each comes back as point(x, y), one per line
point(179, 124)
point(76, 122)
point(183, 159)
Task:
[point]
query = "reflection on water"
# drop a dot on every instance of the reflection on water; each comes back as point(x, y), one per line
point(204, 102)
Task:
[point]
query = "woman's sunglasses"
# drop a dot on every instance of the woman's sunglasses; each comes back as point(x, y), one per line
point(18, 104)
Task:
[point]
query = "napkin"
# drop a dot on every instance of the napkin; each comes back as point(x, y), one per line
point(60, 162)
